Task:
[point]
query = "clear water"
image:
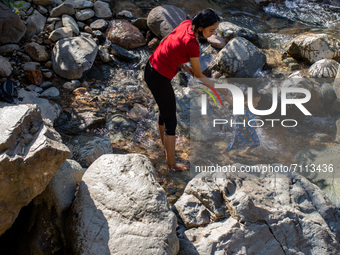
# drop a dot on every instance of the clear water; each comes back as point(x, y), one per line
point(276, 25)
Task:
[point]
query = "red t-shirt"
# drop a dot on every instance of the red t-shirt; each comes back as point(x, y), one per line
point(175, 49)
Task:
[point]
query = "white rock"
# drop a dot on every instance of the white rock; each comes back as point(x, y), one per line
point(68, 21)
point(314, 47)
point(51, 93)
point(121, 208)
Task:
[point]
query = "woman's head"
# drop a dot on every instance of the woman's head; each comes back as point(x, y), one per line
point(205, 23)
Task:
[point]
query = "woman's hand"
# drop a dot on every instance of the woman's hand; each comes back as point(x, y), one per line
point(187, 69)
point(196, 66)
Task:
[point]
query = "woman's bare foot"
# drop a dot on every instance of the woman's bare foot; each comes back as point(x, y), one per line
point(178, 168)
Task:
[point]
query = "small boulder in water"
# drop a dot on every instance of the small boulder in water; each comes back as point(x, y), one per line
point(314, 47)
point(122, 53)
point(121, 122)
point(138, 112)
point(229, 31)
point(241, 58)
point(86, 149)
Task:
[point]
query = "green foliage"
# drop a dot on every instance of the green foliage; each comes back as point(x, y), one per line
point(10, 4)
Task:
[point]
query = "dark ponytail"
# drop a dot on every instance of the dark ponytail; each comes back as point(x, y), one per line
point(205, 18)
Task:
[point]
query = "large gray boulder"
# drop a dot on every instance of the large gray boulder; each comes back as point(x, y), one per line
point(269, 214)
point(121, 209)
point(241, 58)
point(163, 19)
point(314, 47)
point(12, 29)
point(31, 153)
point(72, 56)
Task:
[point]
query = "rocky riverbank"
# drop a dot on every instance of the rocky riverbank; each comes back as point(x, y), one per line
point(82, 102)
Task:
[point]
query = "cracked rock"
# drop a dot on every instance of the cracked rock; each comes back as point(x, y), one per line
point(273, 214)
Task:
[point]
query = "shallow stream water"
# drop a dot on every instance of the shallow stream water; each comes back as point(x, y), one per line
point(123, 86)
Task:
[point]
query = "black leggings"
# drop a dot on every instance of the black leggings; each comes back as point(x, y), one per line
point(164, 95)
